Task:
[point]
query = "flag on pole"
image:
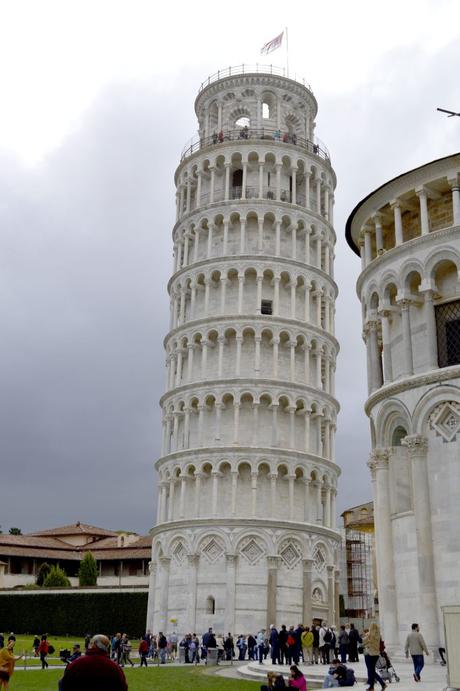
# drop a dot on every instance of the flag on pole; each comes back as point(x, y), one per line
point(272, 45)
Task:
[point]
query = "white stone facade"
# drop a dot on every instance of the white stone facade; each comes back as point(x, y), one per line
point(245, 532)
point(408, 233)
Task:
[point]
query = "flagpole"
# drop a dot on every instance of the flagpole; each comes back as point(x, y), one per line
point(287, 52)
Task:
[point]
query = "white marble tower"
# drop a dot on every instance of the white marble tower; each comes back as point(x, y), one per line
point(408, 235)
point(245, 532)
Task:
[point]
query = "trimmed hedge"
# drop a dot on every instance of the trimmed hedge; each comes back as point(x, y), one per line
point(74, 613)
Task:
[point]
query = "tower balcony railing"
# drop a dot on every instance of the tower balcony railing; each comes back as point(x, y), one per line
point(242, 134)
point(252, 69)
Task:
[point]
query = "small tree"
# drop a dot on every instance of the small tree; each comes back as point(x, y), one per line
point(15, 531)
point(43, 571)
point(87, 573)
point(57, 578)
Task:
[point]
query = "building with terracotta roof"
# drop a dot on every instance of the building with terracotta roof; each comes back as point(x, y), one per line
point(122, 558)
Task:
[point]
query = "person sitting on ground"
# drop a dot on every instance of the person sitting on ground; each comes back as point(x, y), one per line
point(337, 674)
point(94, 671)
point(297, 679)
point(275, 681)
point(7, 662)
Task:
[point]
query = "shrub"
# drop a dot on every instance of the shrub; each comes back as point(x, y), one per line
point(74, 612)
point(43, 571)
point(87, 574)
point(57, 578)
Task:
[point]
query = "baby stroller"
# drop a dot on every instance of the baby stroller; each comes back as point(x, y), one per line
point(385, 668)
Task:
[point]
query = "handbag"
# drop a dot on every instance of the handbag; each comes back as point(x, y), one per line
point(360, 649)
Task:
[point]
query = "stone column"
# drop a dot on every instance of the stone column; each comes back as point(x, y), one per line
point(376, 360)
point(319, 513)
point(254, 476)
point(164, 590)
point(385, 316)
point(209, 248)
point(455, 200)
point(229, 616)
point(430, 329)
point(272, 583)
point(294, 184)
point(407, 337)
point(223, 291)
point(424, 218)
point(274, 407)
point(227, 181)
point(257, 340)
point(207, 284)
point(396, 206)
point(427, 615)
point(244, 180)
point(367, 245)
point(240, 292)
point(198, 476)
point(307, 245)
point(225, 238)
point(242, 235)
point(337, 597)
point(183, 487)
point(307, 176)
point(273, 495)
point(193, 560)
point(378, 233)
point(293, 287)
point(220, 357)
point(215, 490)
point(318, 195)
point(171, 494)
point(330, 595)
point(260, 235)
point(239, 342)
point(275, 343)
point(236, 422)
point(211, 186)
point(276, 296)
point(277, 238)
point(260, 279)
point(278, 181)
point(261, 180)
point(307, 613)
point(234, 474)
point(198, 188)
point(378, 464)
point(204, 358)
point(152, 599)
point(307, 303)
point(307, 430)
point(255, 423)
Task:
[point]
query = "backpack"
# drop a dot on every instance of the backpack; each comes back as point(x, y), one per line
point(328, 636)
point(290, 640)
point(350, 679)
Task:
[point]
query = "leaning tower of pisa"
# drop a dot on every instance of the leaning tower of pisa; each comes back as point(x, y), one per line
point(245, 532)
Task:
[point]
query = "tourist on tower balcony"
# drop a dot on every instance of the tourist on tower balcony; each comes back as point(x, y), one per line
point(297, 679)
point(416, 646)
point(371, 643)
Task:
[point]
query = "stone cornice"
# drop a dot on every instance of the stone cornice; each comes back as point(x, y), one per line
point(310, 528)
point(379, 264)
point(257, 454)
point(251, 384)
point(417, 380)
point(252, 319)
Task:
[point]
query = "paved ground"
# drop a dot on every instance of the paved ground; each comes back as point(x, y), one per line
point(434, 677)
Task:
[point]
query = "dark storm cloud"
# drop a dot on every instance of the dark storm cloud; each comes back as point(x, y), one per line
point(85, 257)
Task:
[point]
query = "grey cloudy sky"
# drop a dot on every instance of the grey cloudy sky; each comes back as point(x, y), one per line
point(96, 103)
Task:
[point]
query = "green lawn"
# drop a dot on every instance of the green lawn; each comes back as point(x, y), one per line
point(158, 678)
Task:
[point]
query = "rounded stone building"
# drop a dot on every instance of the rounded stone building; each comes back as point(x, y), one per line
point(408, 235)
point(245, 532)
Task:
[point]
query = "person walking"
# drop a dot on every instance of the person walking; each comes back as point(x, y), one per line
point(416, 646)
point(283, 646)
point(43, 650)
point(7, 662)
point(251, 646)
point(316, 651)
point(371, 642)
point(162, 645)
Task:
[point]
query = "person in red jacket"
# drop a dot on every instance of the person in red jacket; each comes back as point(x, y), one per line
point(94, 671)
point(43, 650)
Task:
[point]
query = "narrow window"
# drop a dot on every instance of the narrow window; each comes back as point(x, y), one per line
point(266, 307)
point(210, 605)
point(448, 330)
